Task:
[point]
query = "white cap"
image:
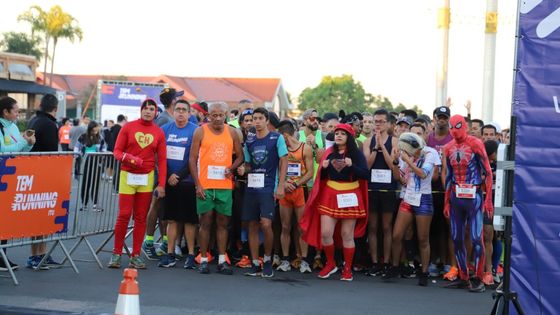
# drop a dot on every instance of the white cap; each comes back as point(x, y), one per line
point(498, 128)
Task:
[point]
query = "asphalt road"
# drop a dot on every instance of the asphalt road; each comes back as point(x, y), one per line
point(180, 291)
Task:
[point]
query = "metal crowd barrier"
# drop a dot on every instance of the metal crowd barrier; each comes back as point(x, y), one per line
point(57, 238)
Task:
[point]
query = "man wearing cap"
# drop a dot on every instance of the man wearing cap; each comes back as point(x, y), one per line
point(403, 124)
point(328, 122)
point(244, 104)
point(440, 228)
point(312, 136)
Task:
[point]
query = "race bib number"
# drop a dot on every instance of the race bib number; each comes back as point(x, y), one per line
point(216, 172)
point(381, 176)
point(465, 191)
point(294, 169)
point(255, 180)
point(175, 153)
point(347, 200)
point(412, 198)
point(137, 179)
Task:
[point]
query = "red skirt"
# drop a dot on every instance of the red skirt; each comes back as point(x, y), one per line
point(330, 200)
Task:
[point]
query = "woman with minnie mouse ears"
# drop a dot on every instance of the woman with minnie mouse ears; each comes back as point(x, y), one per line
point(336, 211)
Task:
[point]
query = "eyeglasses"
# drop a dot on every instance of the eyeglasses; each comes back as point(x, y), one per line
point(379, 122)
point(181, 109)
point(247, 112)
point(312, 118)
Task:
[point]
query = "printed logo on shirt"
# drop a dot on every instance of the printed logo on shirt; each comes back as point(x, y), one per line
point(260, 155)
point(143, 139)
point(173, 139)
point(218, 152)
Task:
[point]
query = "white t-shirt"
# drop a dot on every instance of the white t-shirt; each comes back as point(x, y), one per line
point(429, 158)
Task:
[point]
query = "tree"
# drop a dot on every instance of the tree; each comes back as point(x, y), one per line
point(53, 25)
point(335, 93)
point(21, 43)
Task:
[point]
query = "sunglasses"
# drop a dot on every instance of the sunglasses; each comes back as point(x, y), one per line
point(312, 118)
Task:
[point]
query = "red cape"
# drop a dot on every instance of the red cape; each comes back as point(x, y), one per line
point(310, 222)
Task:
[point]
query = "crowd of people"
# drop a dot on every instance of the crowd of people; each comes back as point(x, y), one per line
point(382, 193)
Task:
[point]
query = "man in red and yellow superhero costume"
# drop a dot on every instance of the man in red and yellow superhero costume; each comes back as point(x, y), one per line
point(467, 172)
point(139, 145)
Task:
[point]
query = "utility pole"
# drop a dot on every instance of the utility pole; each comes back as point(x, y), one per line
point(489, 60)
point(444, 18)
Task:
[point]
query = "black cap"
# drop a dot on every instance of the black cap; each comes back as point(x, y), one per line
point(329, 116)
point(442, 110)
point(168, 94)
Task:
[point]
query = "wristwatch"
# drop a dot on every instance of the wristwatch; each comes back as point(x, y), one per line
point(396, 162)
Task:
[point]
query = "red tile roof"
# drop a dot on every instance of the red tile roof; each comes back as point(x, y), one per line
point(231, 90)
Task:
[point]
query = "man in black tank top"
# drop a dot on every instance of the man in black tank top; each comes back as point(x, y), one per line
point(383, 202)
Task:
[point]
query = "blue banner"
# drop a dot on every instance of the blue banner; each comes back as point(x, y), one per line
point(536, 213)
point(125, 99)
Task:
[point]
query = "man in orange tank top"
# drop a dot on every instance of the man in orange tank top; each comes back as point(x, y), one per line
point(300, 160)
point(212, 169)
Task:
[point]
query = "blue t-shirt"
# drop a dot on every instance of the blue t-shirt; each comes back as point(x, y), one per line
point(264, 156)
point(178, 142)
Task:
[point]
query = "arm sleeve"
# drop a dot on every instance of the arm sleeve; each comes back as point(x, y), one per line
point(246, 154)
point(359, 166)
point(18, 145)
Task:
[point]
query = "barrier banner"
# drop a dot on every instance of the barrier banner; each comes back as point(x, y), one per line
point(535, 256)
point(34, 194)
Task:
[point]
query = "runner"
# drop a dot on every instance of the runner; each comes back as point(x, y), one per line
point(212, 168)
point(140, 144)
point(300, 164)
point(266, 166)
point(336, 211)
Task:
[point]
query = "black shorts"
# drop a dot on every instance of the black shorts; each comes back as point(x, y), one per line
point(180, 203)
point(384, 202)
point(257, 206)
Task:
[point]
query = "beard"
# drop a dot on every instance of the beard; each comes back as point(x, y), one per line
point(313, 127)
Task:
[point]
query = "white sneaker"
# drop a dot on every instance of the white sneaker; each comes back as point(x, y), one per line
point(178, 251)
point(304, 267)
point(284, 266)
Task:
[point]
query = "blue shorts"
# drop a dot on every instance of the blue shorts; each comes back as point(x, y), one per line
point(426, 206)
point(257, 206)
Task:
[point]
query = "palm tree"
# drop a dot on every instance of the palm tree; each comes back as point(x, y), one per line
point(62, 25)
point(54, 24)
point(37, 17)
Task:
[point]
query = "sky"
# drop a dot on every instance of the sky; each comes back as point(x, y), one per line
point(390, 47)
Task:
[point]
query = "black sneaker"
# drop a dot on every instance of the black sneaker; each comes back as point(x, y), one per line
point(392, 272)
point(408, 271)
point(268, 271)
point(203, 268)
point(423, 279)
point(255, 271)
point(457, 284)
point(3, 266)
point(375, 270)
point(225, 269)
point(476, 285)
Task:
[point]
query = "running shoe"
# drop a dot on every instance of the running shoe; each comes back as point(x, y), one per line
point(476, 285)
point(452, 274)
point(423, 279)
point(254, 271)
point(500, 270)
point(225, 269)
point(296, 263)
point(245, 262)
point(284, 266)
point(190, 263)
point(33, 263)
point(167, 261)
point(304, 267)
point(433, 270)
point(11, 265)
point(178, 252)
point(51, 262)
point(162, 249)
point(457, 284)
point(375, 270)
point(327, 271)
point(392, 272)
point(497, 278)
point(408, 271)
point(115, 261)
point(268, 271)
point(346, 274)
point(137, 262)
point(203, 268)
point(150, 250)
point(318, 263)
point(198, 258)
point(487, 279)
point(276, 261)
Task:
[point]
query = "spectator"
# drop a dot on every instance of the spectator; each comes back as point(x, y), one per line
point(64, 134)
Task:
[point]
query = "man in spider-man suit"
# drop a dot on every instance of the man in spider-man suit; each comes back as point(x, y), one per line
point(467, 173)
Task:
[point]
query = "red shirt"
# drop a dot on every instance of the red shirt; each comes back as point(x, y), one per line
point(136, 148)
point(63, 134)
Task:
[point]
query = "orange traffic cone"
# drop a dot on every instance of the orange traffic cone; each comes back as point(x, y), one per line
point(128, 302)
